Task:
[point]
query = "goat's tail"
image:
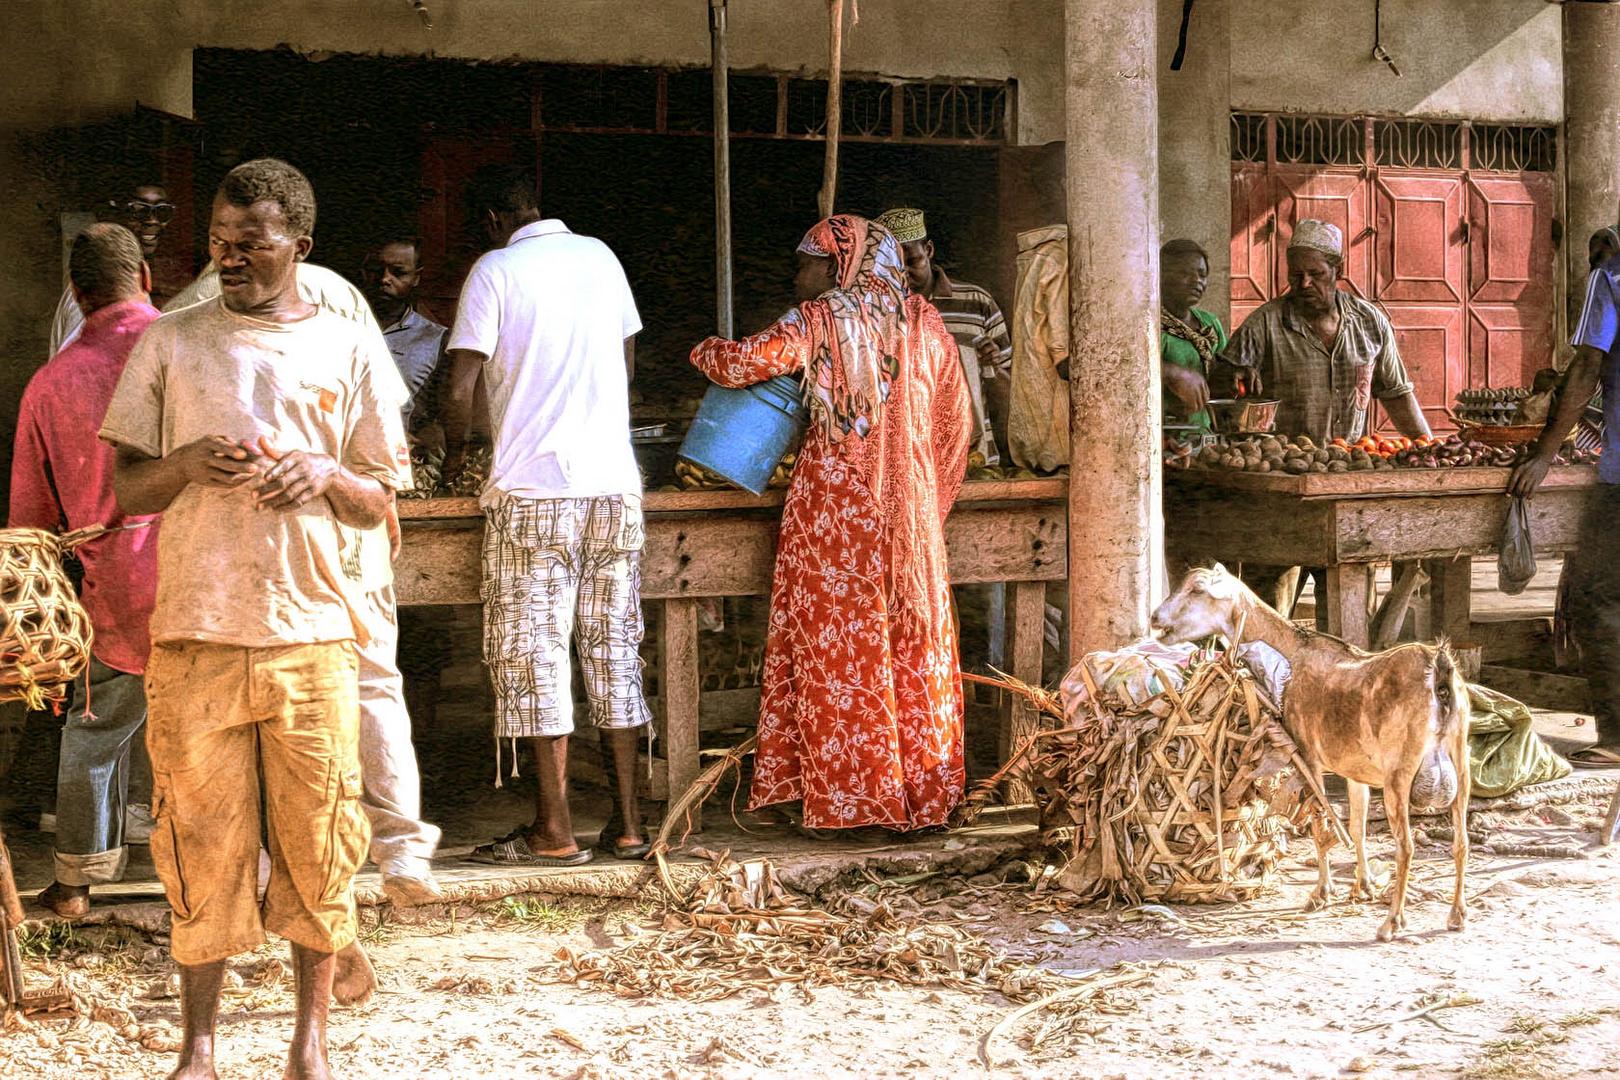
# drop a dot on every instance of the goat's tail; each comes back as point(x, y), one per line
point(1435, 785)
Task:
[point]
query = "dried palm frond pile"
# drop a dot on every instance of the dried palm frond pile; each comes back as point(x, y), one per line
point(1183, 786)
point(739, 930)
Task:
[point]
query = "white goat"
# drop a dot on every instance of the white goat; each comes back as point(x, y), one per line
point(1376, 719)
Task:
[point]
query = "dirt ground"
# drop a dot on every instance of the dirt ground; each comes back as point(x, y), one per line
point(1530, 989)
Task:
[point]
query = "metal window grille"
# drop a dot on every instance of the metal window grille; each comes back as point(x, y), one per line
point(955, 112)
point(1249, 137)
point(1320, 140)
point(1397, 142)
point(1513, 148)
point(646, 100)
point(1418, 144)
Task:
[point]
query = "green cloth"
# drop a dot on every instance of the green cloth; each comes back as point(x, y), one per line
point(1174, 350)
point(1504, 751)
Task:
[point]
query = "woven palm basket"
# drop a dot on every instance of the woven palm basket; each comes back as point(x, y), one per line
point(45, 634)
point(1188, 796)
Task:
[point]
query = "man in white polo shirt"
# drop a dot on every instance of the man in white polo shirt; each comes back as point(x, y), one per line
point(548, 318)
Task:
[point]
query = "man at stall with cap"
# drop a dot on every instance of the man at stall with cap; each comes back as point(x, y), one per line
point(1324, 354)
point(975, 323)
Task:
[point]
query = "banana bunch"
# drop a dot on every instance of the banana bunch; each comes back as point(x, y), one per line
point(690, 477)
point(427, 474)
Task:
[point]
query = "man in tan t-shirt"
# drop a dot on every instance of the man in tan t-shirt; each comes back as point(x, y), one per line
point(256, 425)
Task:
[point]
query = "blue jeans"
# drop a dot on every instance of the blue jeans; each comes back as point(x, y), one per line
point(92, 782)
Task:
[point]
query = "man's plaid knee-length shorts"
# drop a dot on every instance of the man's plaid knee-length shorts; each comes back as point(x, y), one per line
point(555, 568)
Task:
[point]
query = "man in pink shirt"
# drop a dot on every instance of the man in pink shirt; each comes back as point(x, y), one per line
point(61, 412)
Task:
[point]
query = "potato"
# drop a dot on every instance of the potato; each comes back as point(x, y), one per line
point(1304, 443)
point(1319, 467)
point(1296, 466)
point(1338, 466)
point(1338, 453)
point(1320, 457)
point(1264, 466)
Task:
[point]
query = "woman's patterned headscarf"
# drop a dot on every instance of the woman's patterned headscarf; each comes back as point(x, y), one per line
point(858, 326)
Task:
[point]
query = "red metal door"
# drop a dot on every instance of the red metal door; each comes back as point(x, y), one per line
point(1430, 338)
point(1419, 273)
point(1337, 197)
point(1419, 246)
point(1510, 278)
point(1253, 223)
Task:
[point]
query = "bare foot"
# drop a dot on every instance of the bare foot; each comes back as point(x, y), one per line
point(195, 1067)
point(352, 983)
point(67, 901)
point(307, 1064)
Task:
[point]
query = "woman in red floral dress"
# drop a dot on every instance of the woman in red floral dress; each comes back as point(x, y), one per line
point(861, 708)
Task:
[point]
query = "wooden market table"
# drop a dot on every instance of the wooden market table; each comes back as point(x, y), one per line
point(723, 543)
point(1432, 521)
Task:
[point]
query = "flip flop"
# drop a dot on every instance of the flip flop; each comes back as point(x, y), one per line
point(513, 850)
point(1595, 757)
point(608, 842)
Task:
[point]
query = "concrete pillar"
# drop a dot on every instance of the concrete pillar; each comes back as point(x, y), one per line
point(1116, 530)
point(1591, 129)
point(1195, 140)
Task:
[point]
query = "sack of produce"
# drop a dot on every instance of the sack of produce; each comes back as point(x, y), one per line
point(1516, 557)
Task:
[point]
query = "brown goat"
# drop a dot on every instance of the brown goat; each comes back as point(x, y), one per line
point(1376, 719)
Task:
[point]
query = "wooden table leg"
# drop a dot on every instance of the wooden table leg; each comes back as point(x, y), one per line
point(678, 689)
point(1611, 820)
point(1451, 582)
point(1348, 588)
point(1406, 576)
point(1019, 720)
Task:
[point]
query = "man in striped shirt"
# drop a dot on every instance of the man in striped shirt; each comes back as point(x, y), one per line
point(974, 321)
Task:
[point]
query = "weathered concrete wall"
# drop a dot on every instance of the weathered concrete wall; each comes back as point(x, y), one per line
point(1195, 129)
point(79, 60)
point(1481, 59)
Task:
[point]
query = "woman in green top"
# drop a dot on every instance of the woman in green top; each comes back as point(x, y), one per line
point(1190, 337)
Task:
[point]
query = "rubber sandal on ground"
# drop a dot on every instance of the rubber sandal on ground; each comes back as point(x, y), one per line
point(1595, 757)
point(608, 842)
point(515, 852)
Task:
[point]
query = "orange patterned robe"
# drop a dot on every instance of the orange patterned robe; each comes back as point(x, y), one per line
point(861, 708)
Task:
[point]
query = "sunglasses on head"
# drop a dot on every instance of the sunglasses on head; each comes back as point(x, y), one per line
point(136, 210)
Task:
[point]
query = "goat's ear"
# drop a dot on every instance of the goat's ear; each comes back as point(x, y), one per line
point(1219, 569)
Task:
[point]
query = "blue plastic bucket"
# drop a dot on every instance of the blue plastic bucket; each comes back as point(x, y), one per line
point(741, 435)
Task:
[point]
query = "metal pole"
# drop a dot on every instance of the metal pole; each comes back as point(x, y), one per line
point(722, 169)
